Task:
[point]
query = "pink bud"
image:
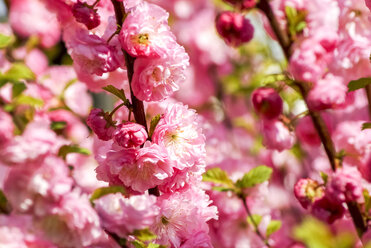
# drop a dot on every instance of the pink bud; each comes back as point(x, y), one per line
point(267, 102)
point(234, 28)
point(307, 191)
point(130, 135)
point(327, 210)
point(86, 15)
point(243, 4)
point(98, 124)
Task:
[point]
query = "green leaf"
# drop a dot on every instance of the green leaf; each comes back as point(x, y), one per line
point(66, 149)
point(291, 13)
point(4, 204)
point(366, 125)
point(98, 193)
point(6, 41)
point(29, 100)
point(120, 93)
point(324, 177)
point(366, 195)
point(17, 89)
point(153, 125)
point(300, 26)
point(19, 71)
point(273, 227)
point(144, 235)
point(138, 244)
point(255, 176)
point(222, 189)
point(255, 218)
point(314, 234)
point(58, 125)
point(218, 176)
point(358, 84)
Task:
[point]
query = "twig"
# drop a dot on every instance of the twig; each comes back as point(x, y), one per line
point(368, 93)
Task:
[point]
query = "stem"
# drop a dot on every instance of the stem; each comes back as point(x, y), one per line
point(137, 105)
point(318, 122)
point(243, 198)
point(115, 109)
point(368, 93)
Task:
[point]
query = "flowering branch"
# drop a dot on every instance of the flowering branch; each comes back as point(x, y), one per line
point(318, 122)
point(368, 93)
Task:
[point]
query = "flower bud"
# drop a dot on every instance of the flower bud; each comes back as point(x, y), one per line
point(130, 135)
point(234, 28)
point(267, 103)
point(86, 15)
point(327, 210)
point(243, 4)
point(307, 191)
point(98, 124)
point(276, 135)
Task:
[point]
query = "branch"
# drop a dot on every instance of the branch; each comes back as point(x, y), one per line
point(318, 122)
point(368, 93)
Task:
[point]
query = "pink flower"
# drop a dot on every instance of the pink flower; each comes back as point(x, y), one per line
point(234, 28)
point(31, 17)
point(345, 185)
point(306, 132)
point(180, 133)
point(157, 79)
point(145, 31)
point(91, 52)
point(130, 135)
point(182, 216)
point(124, 215)
point(329, 92)
point(151, 167)
point(243, 4)
point(198, 240)
point(277, 136)
point(327, 210)
point(86, 15)
point(307, 191)
point(267, 102)
point(97, 122)
point(6, 128)
point(36, 185)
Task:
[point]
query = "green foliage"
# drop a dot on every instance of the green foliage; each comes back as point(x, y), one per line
point(367, 197)
point(324, 177)
point(66, 149)
point(295, 21)
point(4, 204)
point(58, 125)
point(254, 218)
point(17, 72)
point(98, 193)
point(153, 125)
point(273, 227)
point(17, 89)
point(358, 84)
point(255, 176)
point(144, 235)
point(316, 234)
point(29, 101)
point(366, 125)
point(6, 41)
point(218, 176)
point(120, 93)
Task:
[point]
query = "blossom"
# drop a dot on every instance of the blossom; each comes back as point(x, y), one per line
point(307, 191)
point(306, 132)
point(276, 135)
point(182, 216)
point(327, 210)
point(198, 240)
point(179, 132)
point(86, 15)
point(124, 215)
point(145, 31)
point(155, 79)
point(345, 185)
point(97, 122)
point(130, 135)
point(234, 28)
point(267, 102)
point(6, 128)
point(151, 167)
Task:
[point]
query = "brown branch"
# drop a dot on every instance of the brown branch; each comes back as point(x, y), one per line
point(368, 93)
point(318, 122)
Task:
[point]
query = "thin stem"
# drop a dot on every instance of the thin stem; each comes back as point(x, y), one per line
point(243, 198)
point(115, 109)
point(318, 122)
point(368, 93)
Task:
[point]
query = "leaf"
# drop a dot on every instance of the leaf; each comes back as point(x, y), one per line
point(144, 235)
point(153, 125)
point(314, 234)
point(324, 177)
point(254, 218)
point(120, 93)
point(366, 195)
point(98, 193)
point(291, 13)
point(366, 125)
point(273, 227)
point(222, 189)
point(358, 84)
point(17, 89)
point(300, 26)
point(218, 176)
point(6, 41)
point(255, 176)
point(66, 149)
point(19, 71)
point(58, 125)
point(4, 204)
point(29, 100)
point(138, 244)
